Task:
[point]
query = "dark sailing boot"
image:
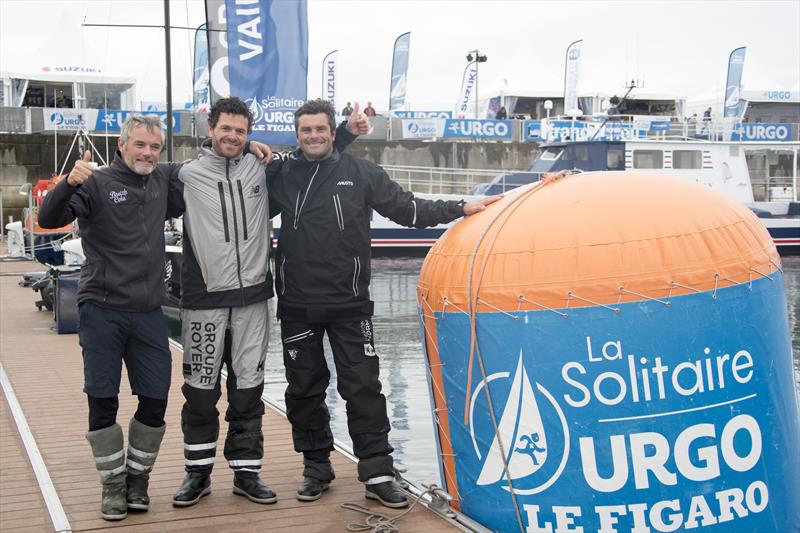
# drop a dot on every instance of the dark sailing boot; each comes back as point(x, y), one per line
point(109, 457)
point(143, 444)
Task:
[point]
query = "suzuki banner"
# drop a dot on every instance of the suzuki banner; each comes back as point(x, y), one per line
point(733, 86)
point(397, 85)
point(572, 68)
point(498, 130)
point(466, 107)
point(329, 77)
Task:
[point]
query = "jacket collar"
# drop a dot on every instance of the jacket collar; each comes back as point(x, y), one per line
point(300, 157)
point(217, 161)
point(123, 170)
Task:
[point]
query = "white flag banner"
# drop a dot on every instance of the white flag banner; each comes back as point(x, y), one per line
point(329, 77)
point(466, 105)
point(572, 69)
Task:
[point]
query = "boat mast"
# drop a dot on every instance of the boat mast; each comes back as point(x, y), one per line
point(169, 79)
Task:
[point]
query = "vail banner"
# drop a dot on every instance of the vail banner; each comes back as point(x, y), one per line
point(733, 87)
point(266, 59)
point(572, 69)
point(200, 74)
point(329, 77)
point(465, 109)
point(397, 85)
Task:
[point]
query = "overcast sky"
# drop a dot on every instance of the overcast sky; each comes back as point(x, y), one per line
point(678, 47)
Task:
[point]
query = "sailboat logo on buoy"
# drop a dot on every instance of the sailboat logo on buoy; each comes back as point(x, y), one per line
point(520, 445)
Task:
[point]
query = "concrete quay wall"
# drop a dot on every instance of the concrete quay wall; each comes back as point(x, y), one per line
point(27, 158)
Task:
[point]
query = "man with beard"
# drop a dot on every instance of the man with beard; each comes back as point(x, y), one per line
point(226, 282)
point(121, 210)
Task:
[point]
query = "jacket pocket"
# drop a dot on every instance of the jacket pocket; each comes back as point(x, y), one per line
point(298, 337)
point(356, 274)
point(282, 275)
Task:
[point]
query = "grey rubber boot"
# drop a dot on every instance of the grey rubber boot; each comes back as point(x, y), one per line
point(143, 444)
point(109, 457)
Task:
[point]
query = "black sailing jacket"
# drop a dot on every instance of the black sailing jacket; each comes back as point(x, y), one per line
point(121, 217)
point(323, 257)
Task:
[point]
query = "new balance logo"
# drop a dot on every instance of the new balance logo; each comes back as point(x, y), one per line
point(345, 182)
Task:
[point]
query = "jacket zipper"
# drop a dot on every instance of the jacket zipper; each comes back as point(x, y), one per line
point(224, 211)
point(337, 206)
point(244, 214)
point(298, 208)
point(146, 241)
point(235, 227)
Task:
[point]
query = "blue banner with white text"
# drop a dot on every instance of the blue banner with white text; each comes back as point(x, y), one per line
point(397, 86)
point(498, 130)
point(111, 120)
point(651, 418)
point(762, 132)
point(268, 63)
point(200, 76)
point(733, 86)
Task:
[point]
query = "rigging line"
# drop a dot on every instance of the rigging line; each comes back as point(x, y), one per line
point(509, 209)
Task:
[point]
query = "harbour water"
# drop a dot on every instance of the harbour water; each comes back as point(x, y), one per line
point(403, 371)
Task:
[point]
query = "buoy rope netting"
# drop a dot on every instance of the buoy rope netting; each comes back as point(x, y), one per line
point(496, 223)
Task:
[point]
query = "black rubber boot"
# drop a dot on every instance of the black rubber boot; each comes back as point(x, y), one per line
point(388, 493)
point(311, 489)
point(249, 485)
point(194, 486)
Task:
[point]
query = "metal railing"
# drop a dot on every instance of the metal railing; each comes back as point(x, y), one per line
point(444, 180)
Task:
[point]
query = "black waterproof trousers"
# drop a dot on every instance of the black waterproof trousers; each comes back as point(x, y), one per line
point(358, 384)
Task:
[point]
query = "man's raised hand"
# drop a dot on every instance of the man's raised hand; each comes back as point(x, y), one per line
point(358, 122)
point(82, 170)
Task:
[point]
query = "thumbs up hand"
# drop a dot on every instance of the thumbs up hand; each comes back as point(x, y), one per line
point(82, 170)
point(358, 122)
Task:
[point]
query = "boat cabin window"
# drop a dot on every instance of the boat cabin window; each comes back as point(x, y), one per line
point(551, 154)
point(578, 152)
point(648, 159)
point(687, 159)
point(615, 159)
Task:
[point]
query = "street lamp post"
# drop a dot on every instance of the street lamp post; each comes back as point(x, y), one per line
point(478, 59)
point(27, 190)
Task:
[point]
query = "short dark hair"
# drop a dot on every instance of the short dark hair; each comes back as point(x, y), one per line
point(233, 106)
point(315, 107)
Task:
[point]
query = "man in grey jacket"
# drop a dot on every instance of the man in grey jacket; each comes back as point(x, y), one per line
point(226, 282)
